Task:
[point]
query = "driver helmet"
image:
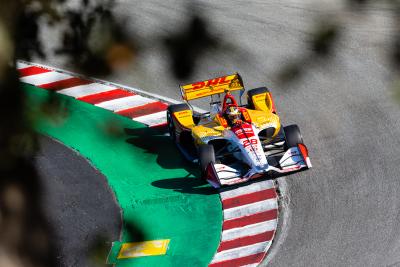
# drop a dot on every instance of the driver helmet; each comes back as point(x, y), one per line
point(233, 114)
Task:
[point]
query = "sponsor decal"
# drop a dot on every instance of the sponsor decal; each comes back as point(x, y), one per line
point(183, 114)
point(246, 115)
point(235, 83)
point(211, 87)
point(243, 132)
point(210, 83)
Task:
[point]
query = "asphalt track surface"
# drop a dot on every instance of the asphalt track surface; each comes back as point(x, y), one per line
point(76, 197)
point(346, 210)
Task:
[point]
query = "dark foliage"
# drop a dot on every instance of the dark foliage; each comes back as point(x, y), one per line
point(186, 47)
point(23, 228)
point(324, 39)
point(27, 35)
point(93, 23)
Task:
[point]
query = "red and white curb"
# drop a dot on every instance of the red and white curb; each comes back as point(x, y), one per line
point(250, 219)
point(126, 102)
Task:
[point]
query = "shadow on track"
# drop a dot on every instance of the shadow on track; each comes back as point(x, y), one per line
point(186, 185)
point(156, 141)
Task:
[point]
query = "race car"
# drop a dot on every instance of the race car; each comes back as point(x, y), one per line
point(234, 143)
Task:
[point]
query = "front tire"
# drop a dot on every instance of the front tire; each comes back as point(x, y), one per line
point(206, 156)
point(292, 136)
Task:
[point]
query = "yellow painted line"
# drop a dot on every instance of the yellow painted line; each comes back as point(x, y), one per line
point(145, 248)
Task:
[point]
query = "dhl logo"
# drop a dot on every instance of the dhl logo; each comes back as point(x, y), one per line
point(211, 87)
point(183, 114)
point(210, 83)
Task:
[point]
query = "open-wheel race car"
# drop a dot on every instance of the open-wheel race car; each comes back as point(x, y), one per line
point(234, 143)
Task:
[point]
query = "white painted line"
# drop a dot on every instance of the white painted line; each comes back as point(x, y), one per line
point(153, 119)
point(250, 209)
point(240, 252)
point(87, 89)
point(252, 229)
point(44, 78)
point(125, 102)
point(251, 188)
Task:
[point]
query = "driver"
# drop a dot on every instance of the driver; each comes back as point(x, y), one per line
point(233, 115)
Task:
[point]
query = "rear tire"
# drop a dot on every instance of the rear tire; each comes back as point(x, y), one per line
point(292, 136)
point(206, 155)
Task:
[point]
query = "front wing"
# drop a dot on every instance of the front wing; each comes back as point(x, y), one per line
point(295, 159)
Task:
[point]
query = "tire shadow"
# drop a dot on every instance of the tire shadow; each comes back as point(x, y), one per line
point(157, 141)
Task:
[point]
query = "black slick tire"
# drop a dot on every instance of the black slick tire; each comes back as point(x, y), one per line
point(292, 136)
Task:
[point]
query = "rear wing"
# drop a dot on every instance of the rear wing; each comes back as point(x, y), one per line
point(211, 87)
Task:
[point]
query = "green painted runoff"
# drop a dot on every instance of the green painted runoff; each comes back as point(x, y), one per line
point(158, 191)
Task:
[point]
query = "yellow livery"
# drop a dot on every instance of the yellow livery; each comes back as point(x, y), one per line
point(233, 142)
